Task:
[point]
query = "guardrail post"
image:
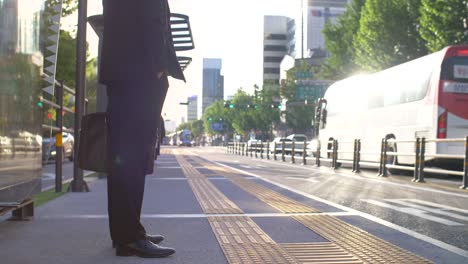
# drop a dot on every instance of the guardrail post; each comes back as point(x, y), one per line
point(268, 150)
point(381, 158)
point(465, 166)
point(282, 151)
point(354, 155)
point(335, 153)
point(304, 154)
point(250, 150)
point(422, 152)
point(317, 158)
point(416, 161)
point(261, 150)
point(358, 156)
point(384, 164)
point(293, 152)
point(256, 150)
point(274, 151)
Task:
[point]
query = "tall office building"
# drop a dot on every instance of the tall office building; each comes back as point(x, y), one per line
point(278, 41)
point(192, 108)
point(319, 12)
point(213, 82)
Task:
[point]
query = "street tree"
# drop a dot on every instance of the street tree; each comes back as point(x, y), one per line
point(387, 35)
point(444, 23)
point(339, 39)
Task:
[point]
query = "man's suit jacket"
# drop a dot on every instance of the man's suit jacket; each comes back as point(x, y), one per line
point(137, 41)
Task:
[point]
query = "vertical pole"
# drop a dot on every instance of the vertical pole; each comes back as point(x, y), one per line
point(416, 161)
point(358, 156)
point(274, 151)
point(304, 154)
point(261, 150)
point(58, 139)
point(335, 154)
point(282, 151)
point(384, 163)
point(422, 152)
point(268, 150)
point(256, 145)
point(293, 152)
point(354, 155)
point(381, 158)
point(78, 184)
point(465, 166)
point(317, 158)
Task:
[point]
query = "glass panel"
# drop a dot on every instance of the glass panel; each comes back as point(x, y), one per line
point(21, 64)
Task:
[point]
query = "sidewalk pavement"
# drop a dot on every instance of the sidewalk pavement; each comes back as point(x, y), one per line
point(74, 227)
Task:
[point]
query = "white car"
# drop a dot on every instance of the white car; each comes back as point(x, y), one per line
point(279, 142)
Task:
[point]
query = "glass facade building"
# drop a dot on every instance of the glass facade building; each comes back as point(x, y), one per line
point(213, 82)
point(21, 68)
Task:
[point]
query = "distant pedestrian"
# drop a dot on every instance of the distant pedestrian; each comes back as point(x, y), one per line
point(137, 57)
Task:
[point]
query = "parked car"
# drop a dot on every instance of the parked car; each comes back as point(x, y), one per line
point(253, 144)
point(298, 137)
point(49, 151)
point(279, 142)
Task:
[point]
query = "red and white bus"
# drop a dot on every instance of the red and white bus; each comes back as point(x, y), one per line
point(426, 97)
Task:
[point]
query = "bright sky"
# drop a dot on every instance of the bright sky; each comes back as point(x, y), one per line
point(226, 29)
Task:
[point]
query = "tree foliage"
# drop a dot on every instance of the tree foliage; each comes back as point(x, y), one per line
point(444, 23)
point(339, 39)
point(387, 35)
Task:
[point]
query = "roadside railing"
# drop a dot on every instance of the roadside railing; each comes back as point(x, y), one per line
point(295, 151)
point(60, 109)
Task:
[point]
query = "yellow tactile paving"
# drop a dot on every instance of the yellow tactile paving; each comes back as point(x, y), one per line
point(320, 252)
point(270, 197)
point(358, 242)
point(243, 241)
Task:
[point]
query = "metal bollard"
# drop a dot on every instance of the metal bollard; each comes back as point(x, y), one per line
point(354, 155)
point(317, 158)
point(416, 162)
point(381, 158)
point(335, 153)
point(304, 154)
point(465, 167)
point(293, 152)
point(274, 151)
point(268, 150)
point(261, 150)
point(384, 164)
point(422, 152)
point(256, 150)
point(358, 156)
point(282, 151)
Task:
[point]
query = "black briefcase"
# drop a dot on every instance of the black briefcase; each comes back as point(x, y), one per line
point(93, 146)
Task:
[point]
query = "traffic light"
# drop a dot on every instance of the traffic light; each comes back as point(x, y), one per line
point(210, 119)
point(252, 106)
point(276, 106)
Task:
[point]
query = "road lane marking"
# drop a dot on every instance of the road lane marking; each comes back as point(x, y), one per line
point(370, 217)
point(414, 211)
point(154, 216)
point(446, 207)
point(303, 179)
point(436, 210)
point(362, 178)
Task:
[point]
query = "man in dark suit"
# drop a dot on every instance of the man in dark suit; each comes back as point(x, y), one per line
point(137, 57)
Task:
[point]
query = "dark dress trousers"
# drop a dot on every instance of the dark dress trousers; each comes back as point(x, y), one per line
point(137, 45)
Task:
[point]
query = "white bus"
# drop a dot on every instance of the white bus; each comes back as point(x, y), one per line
point(426, 97)
point(181, 138)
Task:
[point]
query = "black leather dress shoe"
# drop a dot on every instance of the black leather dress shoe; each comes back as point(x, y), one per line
point(144, 249)
point(156, 239)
